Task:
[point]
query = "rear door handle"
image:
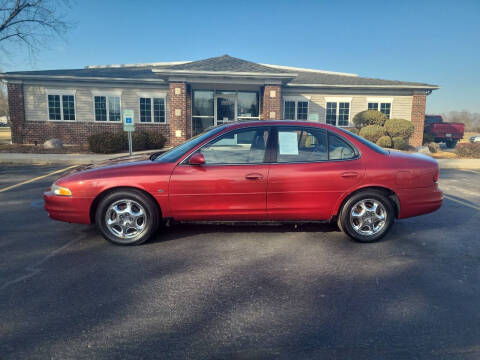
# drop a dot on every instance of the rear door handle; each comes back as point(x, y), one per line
point(351, 174)
point(254, 176)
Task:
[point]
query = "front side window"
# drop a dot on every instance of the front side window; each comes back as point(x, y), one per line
point(244, 146)
point(384, 107)
point(107, 108)
point(301, 145)
point(338, 113)
point(61, 107)
point(152, 110)
point(295, 110)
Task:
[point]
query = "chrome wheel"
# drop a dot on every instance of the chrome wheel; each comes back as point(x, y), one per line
point(126, 219)
point(368, 217)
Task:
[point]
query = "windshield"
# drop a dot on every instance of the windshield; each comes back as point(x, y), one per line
point(177, 152)
point(365, 142)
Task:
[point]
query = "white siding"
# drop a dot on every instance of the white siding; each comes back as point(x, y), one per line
point(401, 104)
point(36, 108)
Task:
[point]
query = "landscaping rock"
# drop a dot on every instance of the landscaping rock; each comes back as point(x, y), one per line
point(53, 144)
point(422, 149)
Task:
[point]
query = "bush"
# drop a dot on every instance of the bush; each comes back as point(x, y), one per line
point(385, 141)
point(399, 127)
point(353, 130)
point(399, 143)
point(428, 138)
point(107, 142)
point(433, 147)
point(369, 117)
point(468, 150)
point(372, 132)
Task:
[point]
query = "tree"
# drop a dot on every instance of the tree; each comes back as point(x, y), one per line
point(31, 23)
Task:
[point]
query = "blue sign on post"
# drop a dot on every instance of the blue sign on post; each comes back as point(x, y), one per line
point(129, 126)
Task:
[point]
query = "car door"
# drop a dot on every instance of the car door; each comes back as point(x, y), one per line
point(232, 183)
point(312, 168)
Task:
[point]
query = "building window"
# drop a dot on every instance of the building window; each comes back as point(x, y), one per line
point(383, 107)
point(338, 113)
point(295, 110)
point(152, 109)
point(61, 107)
point(107, 108)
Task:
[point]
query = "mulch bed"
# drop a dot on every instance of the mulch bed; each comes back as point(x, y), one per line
point(32, 149)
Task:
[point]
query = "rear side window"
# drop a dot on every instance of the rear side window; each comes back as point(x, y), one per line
point(301, 145)
point(338, 149)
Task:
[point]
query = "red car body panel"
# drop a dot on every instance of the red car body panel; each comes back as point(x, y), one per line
point(270, 191)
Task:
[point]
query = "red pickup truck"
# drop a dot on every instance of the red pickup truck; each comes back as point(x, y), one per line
point(447, 132)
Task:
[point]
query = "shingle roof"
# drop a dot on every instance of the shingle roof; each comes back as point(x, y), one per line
point(223, 63)
point(226, 63)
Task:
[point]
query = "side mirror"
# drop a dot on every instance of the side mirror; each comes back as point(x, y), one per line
point(197, 159)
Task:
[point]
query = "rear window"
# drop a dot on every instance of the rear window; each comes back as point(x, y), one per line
point(367, 143)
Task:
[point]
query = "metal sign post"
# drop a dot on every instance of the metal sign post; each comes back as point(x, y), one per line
point(129, 126)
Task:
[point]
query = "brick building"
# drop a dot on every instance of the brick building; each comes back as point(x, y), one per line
point(181, 99)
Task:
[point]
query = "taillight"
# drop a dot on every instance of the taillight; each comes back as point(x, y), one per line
point(436, 175)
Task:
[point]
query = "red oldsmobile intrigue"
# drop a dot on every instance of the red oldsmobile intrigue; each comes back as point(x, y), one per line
point(253, 171)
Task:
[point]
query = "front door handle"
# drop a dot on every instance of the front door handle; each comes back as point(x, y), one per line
point(350, 174)
point(254, 176)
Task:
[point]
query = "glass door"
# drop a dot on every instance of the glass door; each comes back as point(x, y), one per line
point(225, 108)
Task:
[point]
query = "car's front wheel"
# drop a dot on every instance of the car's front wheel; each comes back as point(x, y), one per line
point(367, 216)
point(127, 217)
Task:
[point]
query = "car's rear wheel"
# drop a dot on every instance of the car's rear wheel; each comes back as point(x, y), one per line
point(127, 217)
point(367, 216)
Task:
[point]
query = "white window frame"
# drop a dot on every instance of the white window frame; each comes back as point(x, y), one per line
point(339, 100)
point(296, 100)
point(379, 102)
point(151, 96)
point(106, 95)
point(61, 93)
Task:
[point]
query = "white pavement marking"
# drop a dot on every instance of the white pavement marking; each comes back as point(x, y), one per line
point(461, 202)
point(35, 269)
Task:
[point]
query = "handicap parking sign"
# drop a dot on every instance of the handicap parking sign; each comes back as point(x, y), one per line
point(128, 120)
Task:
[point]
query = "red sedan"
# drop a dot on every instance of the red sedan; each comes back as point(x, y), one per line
point(253, 171)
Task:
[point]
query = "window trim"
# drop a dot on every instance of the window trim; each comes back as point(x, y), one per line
point(338, 101)
point(152, 96)
point(61, 93)
point(274, 149)
point(379, 101)
point(296, 100)
point(106, 95)
point(266, 158)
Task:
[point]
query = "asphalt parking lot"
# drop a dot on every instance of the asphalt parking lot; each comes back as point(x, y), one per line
point(239, 291)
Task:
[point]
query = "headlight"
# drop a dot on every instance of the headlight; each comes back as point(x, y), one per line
point(60, 190)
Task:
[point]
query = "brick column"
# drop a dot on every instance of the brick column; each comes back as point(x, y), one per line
point(178, 113)
point(16, 110)
point(272, 103)
point(418, 118)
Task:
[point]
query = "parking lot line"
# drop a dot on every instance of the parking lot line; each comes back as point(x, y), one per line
point(37, 178)
point(461, 202)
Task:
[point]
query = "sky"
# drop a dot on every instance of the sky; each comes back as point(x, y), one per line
point(437, 42)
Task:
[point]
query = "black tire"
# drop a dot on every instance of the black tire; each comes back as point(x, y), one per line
point(346, 226)
point(151, 218)
point(451, 143)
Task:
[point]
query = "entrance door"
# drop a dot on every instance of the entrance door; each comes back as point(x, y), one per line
point(225, 108)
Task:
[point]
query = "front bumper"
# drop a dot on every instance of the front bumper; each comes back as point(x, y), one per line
point(68, 208)
point(419, 201)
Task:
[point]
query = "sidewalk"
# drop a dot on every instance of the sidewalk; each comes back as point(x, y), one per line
point(68, 159)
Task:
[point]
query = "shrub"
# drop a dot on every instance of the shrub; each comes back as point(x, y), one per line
point(369, 117)
point(468, 150)
point(399, 143)
point(107, 142)
point(353, 130)
point(157, 140)
point(399, 127)
point(385, 141)
point(428, 138)
point(372, 132)
point(433, 147)
point(116, 142)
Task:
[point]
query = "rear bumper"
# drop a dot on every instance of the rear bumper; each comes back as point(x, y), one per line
point(66, 208)
point(419, 201)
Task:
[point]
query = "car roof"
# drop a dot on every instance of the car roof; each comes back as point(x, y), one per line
point(248, 123)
